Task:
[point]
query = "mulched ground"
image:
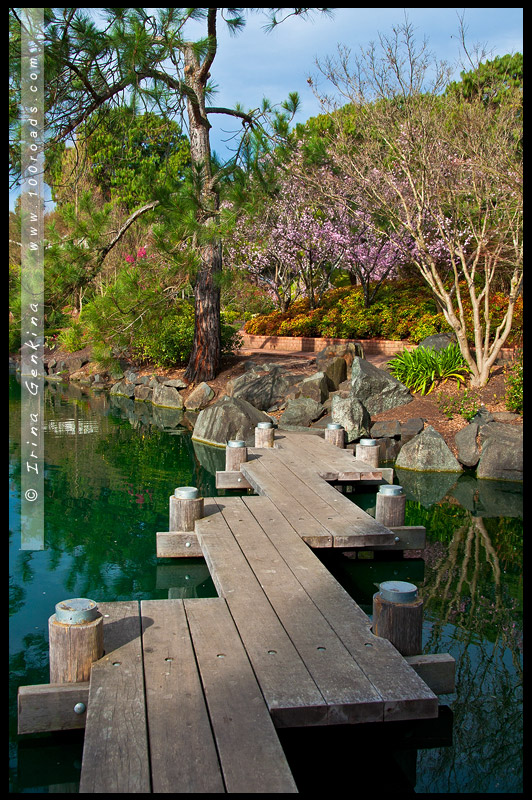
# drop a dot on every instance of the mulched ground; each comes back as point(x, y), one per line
point(430, 408)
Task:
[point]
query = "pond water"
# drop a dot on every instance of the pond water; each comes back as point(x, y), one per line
point(109, 470)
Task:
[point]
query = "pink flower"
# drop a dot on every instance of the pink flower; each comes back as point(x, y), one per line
point(141, 252)
point(130, 259)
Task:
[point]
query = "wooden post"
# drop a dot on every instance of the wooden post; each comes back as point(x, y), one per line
point(335, 434)
point(185, 508)
point(75, 640)
point(368, 450)
point(398, 616)
point(236, 453)
point(391, 502)
point(264, 434)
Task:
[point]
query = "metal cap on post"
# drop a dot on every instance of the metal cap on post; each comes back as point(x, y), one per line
point(368, 450)
point(264, 434)
point(186, 506)
point(75, 640)
point(398, 591)
point(236, 453)
point(335, 434)
point(398, 616)
point(391, 504)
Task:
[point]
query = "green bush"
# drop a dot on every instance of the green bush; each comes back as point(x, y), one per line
point(73, 338)
point(421, 369)
point(514, 386)
point(168, 343)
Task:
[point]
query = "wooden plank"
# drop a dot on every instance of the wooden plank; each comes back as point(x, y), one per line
point(404, 694)
point(436, 670)
point(331, 463)
point(177, 544)
point(265, 483)
point(231, 479)
point(348, 524)
point(115, 751)
point(349, 694)
point(50, 707)
point(411, 537)
point(289, 690)
point(182, 749)
point(250, 753)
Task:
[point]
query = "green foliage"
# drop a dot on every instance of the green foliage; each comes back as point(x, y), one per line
point(493, 82)
point(133, 155)
point(465, 406)
point(514, 386)
point(168, 343)
point(421, 369)
point(74, 337)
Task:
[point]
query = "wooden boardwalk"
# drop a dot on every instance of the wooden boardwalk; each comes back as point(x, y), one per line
point(189, 693)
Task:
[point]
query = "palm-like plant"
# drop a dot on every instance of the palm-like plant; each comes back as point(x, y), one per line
point(423, 368)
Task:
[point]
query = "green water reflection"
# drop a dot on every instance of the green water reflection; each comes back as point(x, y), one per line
point(110, 468)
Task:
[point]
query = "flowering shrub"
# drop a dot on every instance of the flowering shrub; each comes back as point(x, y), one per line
point(403, 310)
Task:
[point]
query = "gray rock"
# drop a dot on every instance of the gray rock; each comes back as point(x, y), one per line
point(264, 388)
point(351, 414)
point(501, 452)
point(483, 416)
point(166, 396)
point(347, 351)
point(427, 452)
point(386, 427)
point(301, 411)
point(438, 341)
point(376, 388)
point(466, 443)
point(143, 392)
point(315, 387)
point(411, 427)
point(388, 448)
point(199, 397)
point(228, 418)
point(176, 383)
point(123, 389)
point(336, 371)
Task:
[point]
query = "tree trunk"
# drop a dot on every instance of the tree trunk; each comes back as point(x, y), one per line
point(205, 358)
point(204, 361)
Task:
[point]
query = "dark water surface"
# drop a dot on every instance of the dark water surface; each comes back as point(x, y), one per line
point(109, 470)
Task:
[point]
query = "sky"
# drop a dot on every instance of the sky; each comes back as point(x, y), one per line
point(256, 64)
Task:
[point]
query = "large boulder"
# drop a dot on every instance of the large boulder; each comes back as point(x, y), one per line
point(264, 387)
point(375, 388)
point(427, 452)
point(438, 341)
point(316, 387)
point(501, 455)
point(301, 411)
point(347, 351)
point(122, 389)
point(351, 414)
point(227, 419)
point(466, 444)
point(199, 397)
point(167, 396)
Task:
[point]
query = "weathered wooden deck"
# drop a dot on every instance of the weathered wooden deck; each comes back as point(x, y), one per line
point(189, 693)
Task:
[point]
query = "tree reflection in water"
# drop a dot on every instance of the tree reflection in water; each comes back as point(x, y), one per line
point(473, 610)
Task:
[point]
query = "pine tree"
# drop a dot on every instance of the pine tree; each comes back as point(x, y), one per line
point(129, 57)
